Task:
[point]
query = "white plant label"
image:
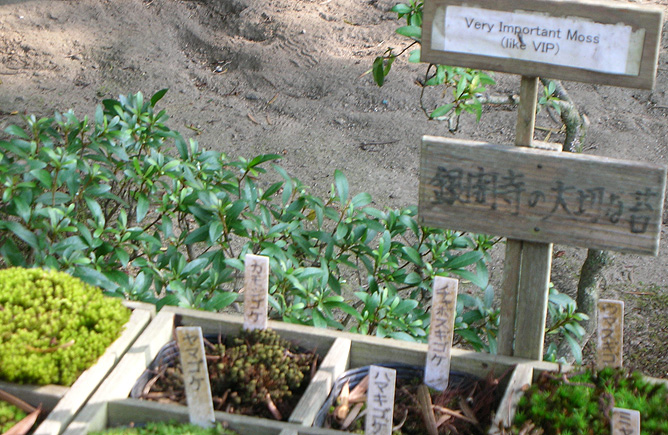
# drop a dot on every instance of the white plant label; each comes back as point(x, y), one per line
point(380, 401)
point(532, 36)
point(256, 279)
point(625, 422)
point(441, 331)
point(610, 331)
point(195, 376)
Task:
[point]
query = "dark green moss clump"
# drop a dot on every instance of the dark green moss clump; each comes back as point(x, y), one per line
point(168, 428)
point(9, 416)
point(581, 403)
point(250, 374)
point(53, 326)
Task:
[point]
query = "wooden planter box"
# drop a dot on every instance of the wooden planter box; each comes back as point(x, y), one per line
point(63, 403)
point(110, 406)
point(524, 376)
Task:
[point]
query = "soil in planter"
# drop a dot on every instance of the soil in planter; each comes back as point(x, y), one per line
point(466, 407)
point(256, 373)
point(9, 416)
point(581, 403)
point(167, 428)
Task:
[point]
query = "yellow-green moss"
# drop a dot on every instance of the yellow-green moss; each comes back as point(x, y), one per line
point(53, 326)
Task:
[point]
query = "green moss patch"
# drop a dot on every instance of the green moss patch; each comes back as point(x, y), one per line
point(53, 326)
point(168, 428)
point(9, 416)
point(582, 402)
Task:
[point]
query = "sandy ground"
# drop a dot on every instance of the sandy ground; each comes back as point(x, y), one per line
point(287, 77)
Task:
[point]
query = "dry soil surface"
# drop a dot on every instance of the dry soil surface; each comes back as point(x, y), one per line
point(288, 77)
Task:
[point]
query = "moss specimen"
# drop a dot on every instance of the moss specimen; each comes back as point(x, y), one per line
point(53, 326)
point(168, 428)
point(9, 416)
point(256, 373)
point(582, 402)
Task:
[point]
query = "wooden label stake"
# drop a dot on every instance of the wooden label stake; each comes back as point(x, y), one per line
point(610, 333)
point(380, 401)
point(195, 375)
point(256, 280)
point(625, 422)
point(441, 330)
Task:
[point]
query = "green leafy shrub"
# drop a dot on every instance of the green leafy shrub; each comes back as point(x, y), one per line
point(463, 86)
point(9, 416)
point(168, 428)
point(126, 204)
point(581, 402)
point(53, 326)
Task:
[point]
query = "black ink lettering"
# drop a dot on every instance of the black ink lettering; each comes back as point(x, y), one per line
point(449, 185)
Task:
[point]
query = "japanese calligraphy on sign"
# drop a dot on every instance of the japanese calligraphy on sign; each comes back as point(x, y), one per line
point(195, 375)
point(256, 280)
point(541, 196)
point(610, 330)
point(625, 422)
point(441, 330)
point(380, 401)
point(575, 40)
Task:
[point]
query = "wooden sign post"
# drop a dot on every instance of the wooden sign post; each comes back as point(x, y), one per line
point(625, 422)
point(195, 375)
point(610, 333)
point(256, 287)
point(441, 332)
point(583, 40)
point(380, 401)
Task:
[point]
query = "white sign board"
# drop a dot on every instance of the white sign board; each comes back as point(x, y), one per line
point(571, 41)
point(605, 42)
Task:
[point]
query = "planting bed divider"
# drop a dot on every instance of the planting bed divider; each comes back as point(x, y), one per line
point(110, 406)
point(63, 403)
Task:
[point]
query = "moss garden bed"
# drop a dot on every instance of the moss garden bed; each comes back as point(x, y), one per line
point(53, 326)
point(9, 415)
point(167, 428)
point(581, 403)
point(253, 373)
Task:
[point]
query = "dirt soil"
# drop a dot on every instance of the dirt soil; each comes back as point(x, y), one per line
point(288, 77)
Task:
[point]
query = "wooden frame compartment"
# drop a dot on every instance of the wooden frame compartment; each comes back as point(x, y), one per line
point(110, 406)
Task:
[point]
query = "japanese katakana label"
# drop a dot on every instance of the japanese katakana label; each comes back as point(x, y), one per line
point(441, 330)
point(610, 331)
point(255, 293)
point(380, 401)
point(195, 375)
point(625, 422)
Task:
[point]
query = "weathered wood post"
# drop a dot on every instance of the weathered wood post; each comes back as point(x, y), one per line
point(533, 206)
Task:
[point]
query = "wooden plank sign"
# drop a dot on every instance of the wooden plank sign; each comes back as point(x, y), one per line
point(625, 422)
point(380, 401)
point(584, 40)
point(541, 196)
point(256, 280)
point(195, 375)
point(441, 332)
point(610, 333)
